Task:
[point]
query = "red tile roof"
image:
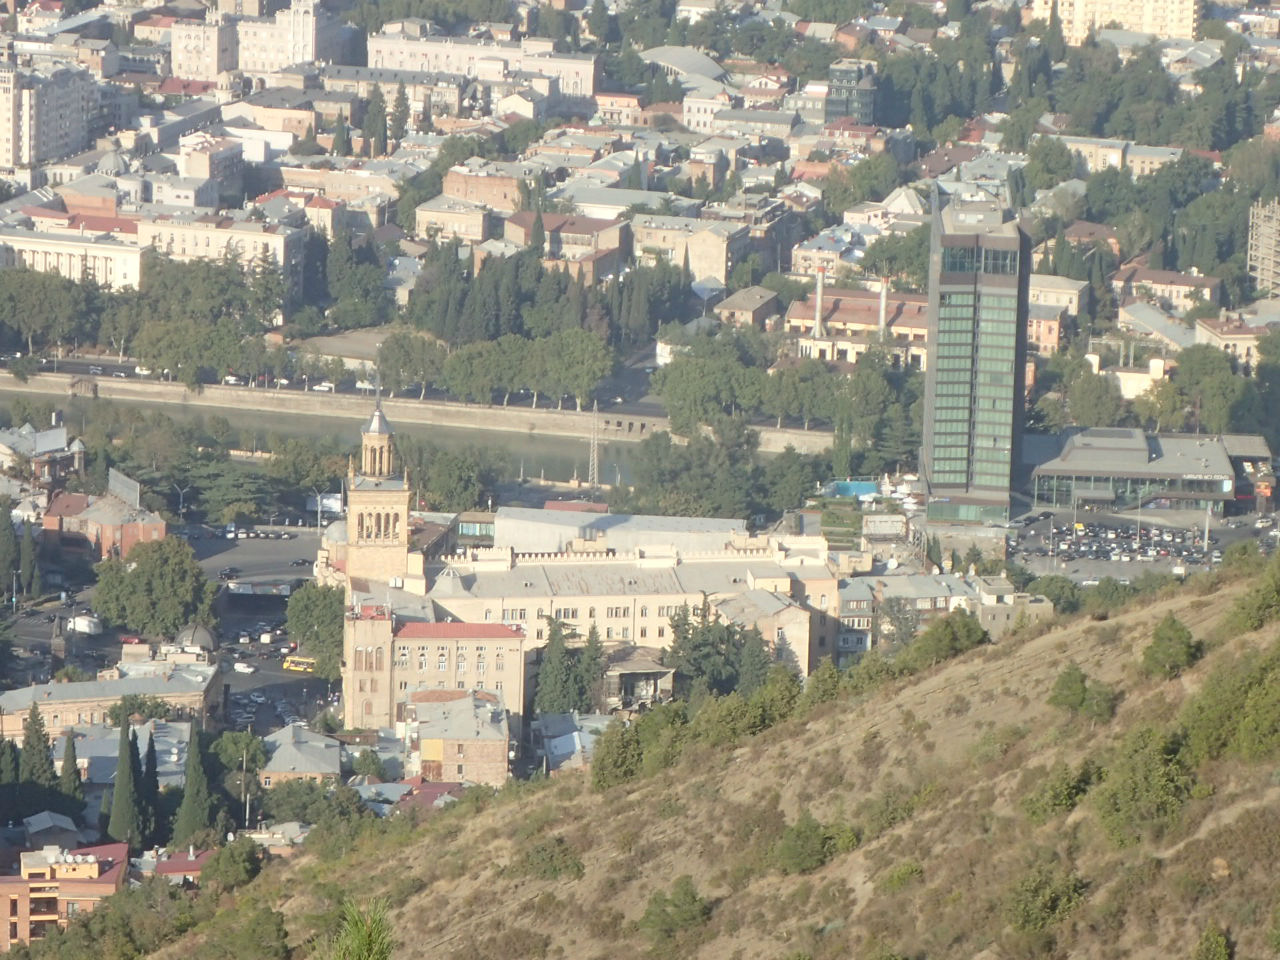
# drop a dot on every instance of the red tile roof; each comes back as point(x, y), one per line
point(181, 864)
point(418, 630)
point(67, 505)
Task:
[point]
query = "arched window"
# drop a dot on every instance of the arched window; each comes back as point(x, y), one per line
point(377, 659)
point(359, 659)
point(368, 709)
point(644, 611)
point(591, 613)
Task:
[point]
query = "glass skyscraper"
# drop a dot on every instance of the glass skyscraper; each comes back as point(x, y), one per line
point(975, 382)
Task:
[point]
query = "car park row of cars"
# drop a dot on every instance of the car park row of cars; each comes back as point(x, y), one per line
point(1112, 542)
point(243, 710)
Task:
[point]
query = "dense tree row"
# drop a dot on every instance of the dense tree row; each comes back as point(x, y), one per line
point(717, 476)
point(459, 305)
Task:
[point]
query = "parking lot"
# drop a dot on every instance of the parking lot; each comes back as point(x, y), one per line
point(263, 558)
point(1086, 549)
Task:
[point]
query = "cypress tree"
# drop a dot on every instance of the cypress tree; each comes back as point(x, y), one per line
point(26, 559)
point(8, 547)
point(557, 680)
point(69, 779)
point(35, 765)
point(341, 139)
point(590, 669)
point(196, 812)
point(8, 761)
point(150, 792)
point(125, 825)
point(400, 113)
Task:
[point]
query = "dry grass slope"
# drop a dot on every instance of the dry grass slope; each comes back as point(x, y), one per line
point(932, 770)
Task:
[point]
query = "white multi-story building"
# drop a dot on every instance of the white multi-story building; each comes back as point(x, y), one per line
point(44, 114)
point(1167, 19)
point(201, 50)
point(304, 32)
point(398, 47)
point(212, 237)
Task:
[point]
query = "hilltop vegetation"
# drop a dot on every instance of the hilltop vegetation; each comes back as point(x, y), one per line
point(1103, 788)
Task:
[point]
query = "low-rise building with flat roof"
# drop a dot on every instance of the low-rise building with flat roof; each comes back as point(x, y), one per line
point(1118, 467)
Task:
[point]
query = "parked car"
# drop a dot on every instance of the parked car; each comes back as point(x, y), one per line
point(324, 386)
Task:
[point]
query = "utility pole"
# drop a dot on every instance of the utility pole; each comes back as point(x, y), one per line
point(244, 784)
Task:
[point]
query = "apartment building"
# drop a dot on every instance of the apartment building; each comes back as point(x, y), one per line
point(207, 157)
point(1165, 19)
point(53, 886)
point(387, 658)
point(564, 236)
point(402, 46)
point(1235, 336)
point(450, 218)
point(459, 736)
point(45, 114)
point(498, 185)
point(212, 237)
point(437, 94)
point(712, 248)
point(1181, 291)
point(204, 49)
point(304, 32)
point(1049, 291)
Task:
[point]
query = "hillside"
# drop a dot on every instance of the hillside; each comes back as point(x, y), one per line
point(928, 773)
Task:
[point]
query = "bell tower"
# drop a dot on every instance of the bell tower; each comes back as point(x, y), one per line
point(378, 510)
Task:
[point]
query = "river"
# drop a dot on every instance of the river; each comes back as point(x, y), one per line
point(554, 458)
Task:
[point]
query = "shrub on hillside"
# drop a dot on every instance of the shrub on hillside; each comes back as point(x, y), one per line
point(943, 639)
point(550, 859)
point(1213, 945)
point(804, 846)
point(1074, 692)
point(668, 916)
point(1045, 895)
point(1144, 788)
point(1172, 649)
point(1059, 791)
point(617, 756)
point(1260, 605)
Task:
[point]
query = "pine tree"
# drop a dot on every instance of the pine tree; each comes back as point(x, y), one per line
point(125, 825)
point(590, 668)
point(341, 139)
point(196, 812)
point(35, 765)
point(400, 113)
point(26, 559)
point(150, 792)
point(69, 779)
point(557, 679)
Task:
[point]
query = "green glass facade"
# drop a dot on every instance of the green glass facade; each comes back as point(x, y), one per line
point(974, 386)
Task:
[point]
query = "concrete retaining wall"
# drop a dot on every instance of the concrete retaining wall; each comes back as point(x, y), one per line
point(573, 424)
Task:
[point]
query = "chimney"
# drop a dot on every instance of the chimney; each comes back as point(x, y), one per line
point(191, 851)
point(818, 332)
point(884, 304)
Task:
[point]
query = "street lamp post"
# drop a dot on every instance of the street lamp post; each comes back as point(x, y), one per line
point(182, 501)
point(316, 491)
